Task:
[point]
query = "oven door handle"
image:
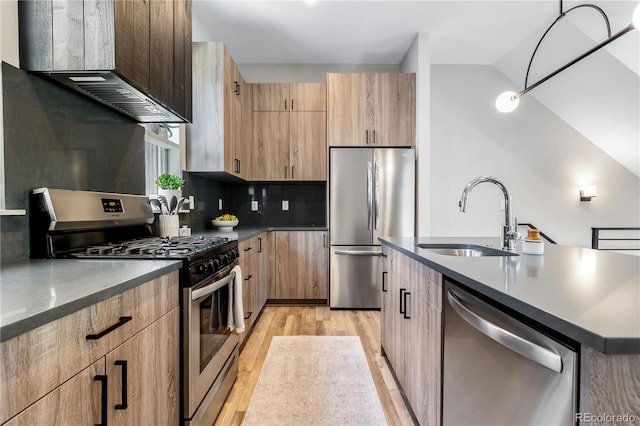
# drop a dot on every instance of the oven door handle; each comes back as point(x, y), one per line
point(207, 290)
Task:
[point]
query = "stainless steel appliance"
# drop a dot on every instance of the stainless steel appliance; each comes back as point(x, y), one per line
point(81, 224)
point(371, 193)
point(501, 371)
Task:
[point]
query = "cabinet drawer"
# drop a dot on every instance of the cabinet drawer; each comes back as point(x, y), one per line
point(248, 248)
point(36, 362)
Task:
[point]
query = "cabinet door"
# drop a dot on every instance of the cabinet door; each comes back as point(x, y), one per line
point(232, 114)
point(301, 265)
point(387, 315)
point(392, 109)
point(77, 401)
point(271, 97)
point(261, 272)
point(308, 96)
point(149, 364)
point(182, 57)
point(347, 117)
point(249, 291)
point(161, 78)
point(132, 40)
point(244, 145)
point(308, 146)
point(271, 146)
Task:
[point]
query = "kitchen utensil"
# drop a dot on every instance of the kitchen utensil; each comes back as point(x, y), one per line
point(181, 202)
point(156, 205)
point(164, 204)
point(172, 204)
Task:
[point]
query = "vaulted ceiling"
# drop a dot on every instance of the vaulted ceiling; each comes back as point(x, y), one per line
point(498, 33)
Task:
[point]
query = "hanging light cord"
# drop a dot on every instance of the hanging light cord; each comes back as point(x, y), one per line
point(562, 14)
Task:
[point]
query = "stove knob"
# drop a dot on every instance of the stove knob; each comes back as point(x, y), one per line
point(215, 265)
point(224, 259)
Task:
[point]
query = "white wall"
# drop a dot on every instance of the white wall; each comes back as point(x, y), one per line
point(541, 159)
point(417, 60)
point(9, 54)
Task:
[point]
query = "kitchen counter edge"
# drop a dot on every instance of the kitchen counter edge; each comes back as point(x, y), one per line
point(32, 278)
point(609, 345)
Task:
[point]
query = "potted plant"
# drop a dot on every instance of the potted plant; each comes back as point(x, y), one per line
point(170, 185)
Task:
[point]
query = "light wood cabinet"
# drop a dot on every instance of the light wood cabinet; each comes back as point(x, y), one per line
point(268, 97)
point(301, 270)
point(376, 109)
point(412, 340)
point(217, 138)
point(253, 261)
point(289, 143)
point(55, 364)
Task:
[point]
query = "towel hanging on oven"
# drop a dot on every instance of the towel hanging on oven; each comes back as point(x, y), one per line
point(235, 317)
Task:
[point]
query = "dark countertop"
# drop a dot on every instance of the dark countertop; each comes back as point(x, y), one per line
point(35, 292)
point(590, 296)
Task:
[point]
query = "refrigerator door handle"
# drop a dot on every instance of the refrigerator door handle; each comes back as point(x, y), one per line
point(369, 196)
point(359, 253)
point(376, 195)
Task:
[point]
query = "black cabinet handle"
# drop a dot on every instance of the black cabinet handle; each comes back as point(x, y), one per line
point(248, 277)
point(248, 248)
point(291, 104)
point(248, 316)
point(366, 137)
point(402, 290)
point(125, 400)
point(122, 321)
point(103, 398)
point(285, 104)
point(374, 137)
point(405, 306)
point(384, 275)
point(259, 244)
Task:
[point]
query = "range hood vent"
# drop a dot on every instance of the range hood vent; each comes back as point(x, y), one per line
point(111, 90)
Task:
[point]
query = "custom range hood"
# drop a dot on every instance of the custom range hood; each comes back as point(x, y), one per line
point(132, 56)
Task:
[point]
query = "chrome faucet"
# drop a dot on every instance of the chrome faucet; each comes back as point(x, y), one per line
point(509, 231)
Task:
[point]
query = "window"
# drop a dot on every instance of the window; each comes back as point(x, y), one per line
point(162, 155)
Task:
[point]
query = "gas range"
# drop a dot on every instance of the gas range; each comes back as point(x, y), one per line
point(76, 224)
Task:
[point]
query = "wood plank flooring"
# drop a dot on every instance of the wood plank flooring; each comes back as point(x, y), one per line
point(320, 321)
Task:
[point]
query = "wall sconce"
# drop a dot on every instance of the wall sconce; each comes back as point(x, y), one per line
point(508, 101)
point(587, 192)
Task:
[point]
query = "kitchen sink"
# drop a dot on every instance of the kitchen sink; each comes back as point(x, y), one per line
point(464, 250)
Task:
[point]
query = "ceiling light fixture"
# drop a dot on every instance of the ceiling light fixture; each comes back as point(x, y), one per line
point(508, 101)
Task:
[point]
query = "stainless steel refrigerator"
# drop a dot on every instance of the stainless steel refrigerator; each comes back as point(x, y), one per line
point(371, 194)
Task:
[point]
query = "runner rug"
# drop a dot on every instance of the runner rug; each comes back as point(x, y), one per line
point(315, 380)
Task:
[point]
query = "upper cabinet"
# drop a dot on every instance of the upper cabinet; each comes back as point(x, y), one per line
point(217, 140)
point(289, 97)
point(133, 56)
point(371, 109)
point(289, 138)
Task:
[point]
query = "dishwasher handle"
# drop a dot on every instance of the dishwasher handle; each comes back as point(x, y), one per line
point(359, 253)
point(534, 352)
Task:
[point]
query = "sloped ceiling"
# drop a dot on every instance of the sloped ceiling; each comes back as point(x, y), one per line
point(599, 97)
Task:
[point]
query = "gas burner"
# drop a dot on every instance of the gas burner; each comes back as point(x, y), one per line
point(155, 247)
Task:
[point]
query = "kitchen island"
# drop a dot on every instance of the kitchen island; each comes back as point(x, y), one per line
point(587, 298)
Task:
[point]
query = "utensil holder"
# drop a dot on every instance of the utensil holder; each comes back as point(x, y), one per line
point(169, 225)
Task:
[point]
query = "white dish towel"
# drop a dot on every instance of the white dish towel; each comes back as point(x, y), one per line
point(236, 313)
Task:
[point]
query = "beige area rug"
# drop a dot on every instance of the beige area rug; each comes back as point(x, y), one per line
point(315, 380)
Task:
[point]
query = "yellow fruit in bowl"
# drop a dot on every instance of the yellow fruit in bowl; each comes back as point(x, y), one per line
point(226, 217)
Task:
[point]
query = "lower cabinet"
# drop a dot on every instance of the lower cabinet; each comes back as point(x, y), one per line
point(301, 265)
point(253, 261)
point(125, 372)
point(411, 332)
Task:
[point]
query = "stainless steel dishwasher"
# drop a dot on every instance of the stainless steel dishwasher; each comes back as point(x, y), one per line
point(500, 371)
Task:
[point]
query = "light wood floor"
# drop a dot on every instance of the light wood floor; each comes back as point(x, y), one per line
point(313, 320)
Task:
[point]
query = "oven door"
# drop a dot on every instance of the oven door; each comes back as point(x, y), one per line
point(208, 344)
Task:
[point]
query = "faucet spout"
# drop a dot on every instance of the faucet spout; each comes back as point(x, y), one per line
point(509, 233)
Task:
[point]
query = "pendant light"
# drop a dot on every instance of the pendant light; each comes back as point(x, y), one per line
point(508, 101)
